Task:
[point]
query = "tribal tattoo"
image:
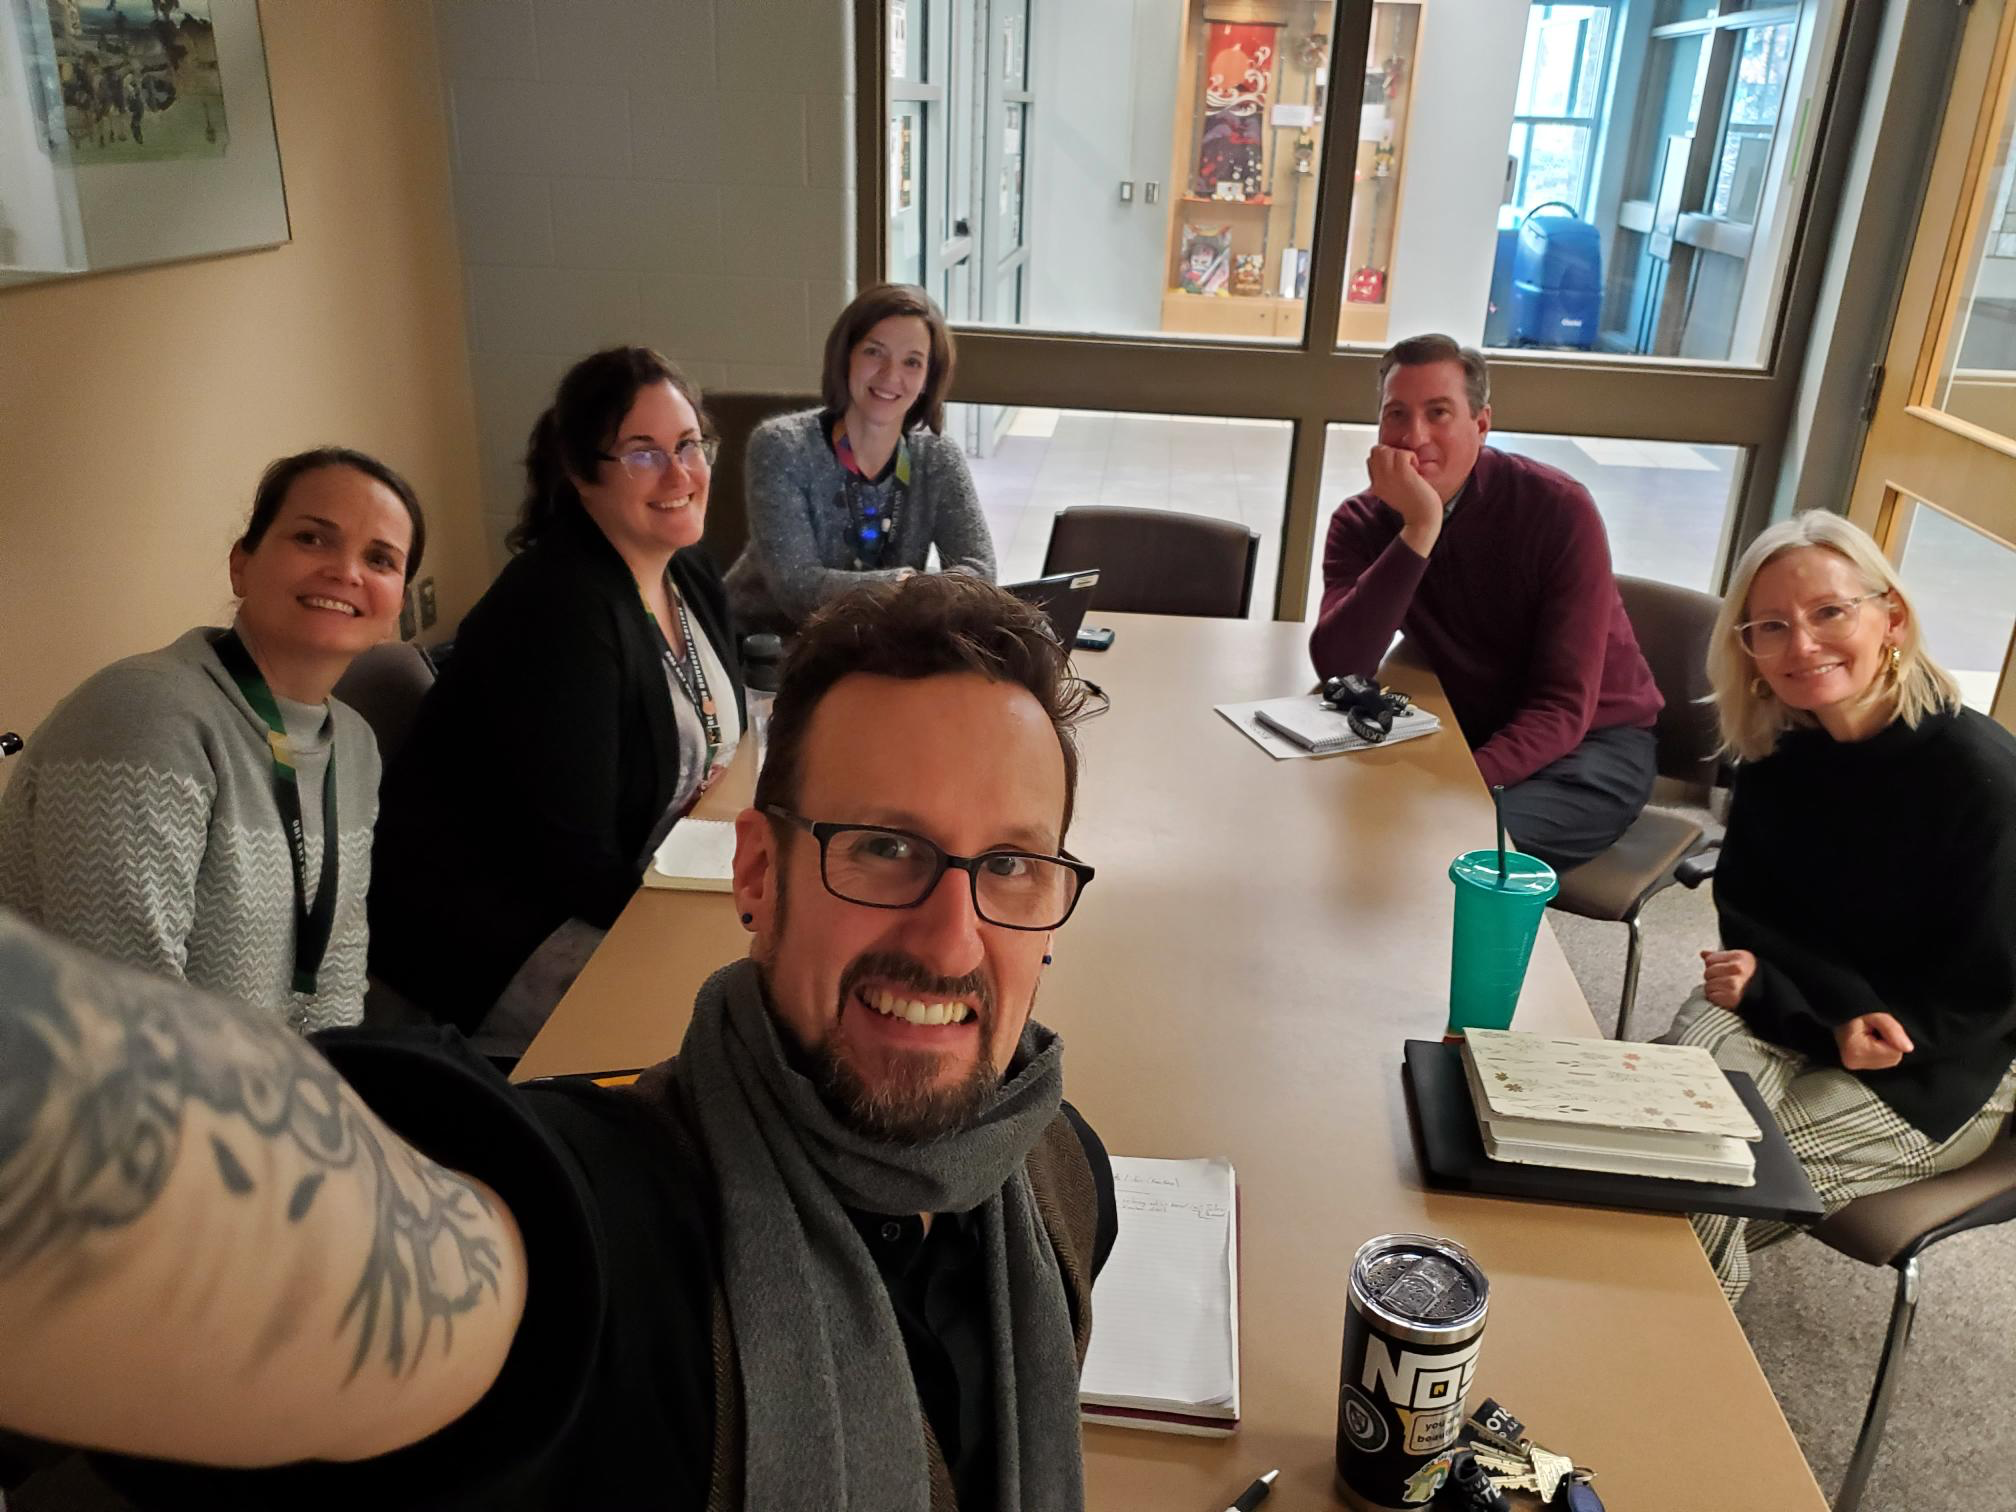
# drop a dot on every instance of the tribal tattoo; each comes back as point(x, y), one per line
point(99, 1067)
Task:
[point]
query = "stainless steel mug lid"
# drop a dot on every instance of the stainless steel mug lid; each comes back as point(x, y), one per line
point(1419, 1281)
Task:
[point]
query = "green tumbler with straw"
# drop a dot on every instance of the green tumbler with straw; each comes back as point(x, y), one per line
point(1500, 896)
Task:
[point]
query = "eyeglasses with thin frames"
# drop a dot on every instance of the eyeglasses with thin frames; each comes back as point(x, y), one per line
point(1829, 624)
point(651, 461)
point(880, 867)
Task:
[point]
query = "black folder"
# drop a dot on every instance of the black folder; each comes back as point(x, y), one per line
point(1453, 1158)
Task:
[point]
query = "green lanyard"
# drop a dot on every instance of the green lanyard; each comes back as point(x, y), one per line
point(311, 925)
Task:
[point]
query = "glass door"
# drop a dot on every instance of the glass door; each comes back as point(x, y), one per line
point(1704, 166)
point(1006, 110)
point(1937, 485)
point(916, 104)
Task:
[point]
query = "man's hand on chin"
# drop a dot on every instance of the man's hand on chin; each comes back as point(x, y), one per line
point(1397, 480)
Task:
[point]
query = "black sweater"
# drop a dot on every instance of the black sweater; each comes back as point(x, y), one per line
point(1880, 876)
point(539, 765)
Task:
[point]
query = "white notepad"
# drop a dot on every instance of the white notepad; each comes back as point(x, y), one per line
point(1322, 730)
point(1305, 726)
point(699, 856)
point(1165, 1311)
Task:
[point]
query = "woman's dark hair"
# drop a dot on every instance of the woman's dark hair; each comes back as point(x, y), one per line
point(281, 476)
point(870, 308)
point(569, 439)
point(923, 626)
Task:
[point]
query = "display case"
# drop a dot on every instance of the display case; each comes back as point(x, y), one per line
point(1248, 125)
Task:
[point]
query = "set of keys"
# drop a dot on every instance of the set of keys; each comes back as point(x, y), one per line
point(1503, 1460)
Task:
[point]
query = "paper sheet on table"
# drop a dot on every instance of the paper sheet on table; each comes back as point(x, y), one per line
point(697, 856)
point(1165, 1310)
point(1241, 717)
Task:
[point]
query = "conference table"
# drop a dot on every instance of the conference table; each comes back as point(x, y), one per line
point(1238, 980)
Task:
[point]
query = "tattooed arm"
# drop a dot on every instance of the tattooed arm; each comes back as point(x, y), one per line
point(210, 1249)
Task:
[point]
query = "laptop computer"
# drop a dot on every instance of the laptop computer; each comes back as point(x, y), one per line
point(1064, 597)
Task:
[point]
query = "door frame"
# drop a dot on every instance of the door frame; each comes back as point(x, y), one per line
point(1915, 450)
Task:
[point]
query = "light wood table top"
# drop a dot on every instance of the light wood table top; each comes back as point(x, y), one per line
point(1260, 939)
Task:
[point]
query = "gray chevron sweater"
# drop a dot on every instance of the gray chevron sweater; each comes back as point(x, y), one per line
point(141, 824)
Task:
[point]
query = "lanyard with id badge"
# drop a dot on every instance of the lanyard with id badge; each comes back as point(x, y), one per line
point(692, 677)
point(871, 522)
point(311, 923)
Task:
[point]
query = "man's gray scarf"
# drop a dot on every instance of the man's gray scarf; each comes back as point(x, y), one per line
point(833, 1419)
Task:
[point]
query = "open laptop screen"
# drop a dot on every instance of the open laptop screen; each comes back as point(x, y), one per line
point(1064, 597)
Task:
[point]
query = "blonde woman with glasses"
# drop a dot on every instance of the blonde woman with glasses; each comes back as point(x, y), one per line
point(1866, 889)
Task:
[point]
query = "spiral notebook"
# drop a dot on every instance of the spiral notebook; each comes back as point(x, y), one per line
point(1165, 1311)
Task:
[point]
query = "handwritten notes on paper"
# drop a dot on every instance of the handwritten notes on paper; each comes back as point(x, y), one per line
point(1165, 1314)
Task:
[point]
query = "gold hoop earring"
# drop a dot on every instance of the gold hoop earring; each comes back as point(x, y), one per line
point(1760, 689)
point(1896, 661)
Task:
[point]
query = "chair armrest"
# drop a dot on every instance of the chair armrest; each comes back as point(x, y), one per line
point(1697, 868)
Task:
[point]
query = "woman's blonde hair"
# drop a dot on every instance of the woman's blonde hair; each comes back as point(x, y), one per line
point(1752, 722)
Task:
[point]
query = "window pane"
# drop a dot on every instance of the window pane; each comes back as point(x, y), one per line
point(906, 40)
point(1384, 123)
point(906, 210)
point(1663, 503)
point(1161, 169)
point(1615, 122)
point(1047, 460)
point(1554, 166)
point(1963, 585)
point(1011, 174)
point(1979, 378)
point(1014, 25)
point(1564, 51)
point(1760, 75)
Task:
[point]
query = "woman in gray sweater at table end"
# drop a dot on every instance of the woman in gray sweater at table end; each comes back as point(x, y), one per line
point(863, 488)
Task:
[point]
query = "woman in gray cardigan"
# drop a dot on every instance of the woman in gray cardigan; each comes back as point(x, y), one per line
point(862, 489)
point(176, 811)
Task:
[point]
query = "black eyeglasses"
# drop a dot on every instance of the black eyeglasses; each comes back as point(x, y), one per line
point(879, 867)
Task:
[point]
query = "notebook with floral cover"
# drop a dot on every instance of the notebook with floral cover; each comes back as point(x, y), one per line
point(1604, 1084)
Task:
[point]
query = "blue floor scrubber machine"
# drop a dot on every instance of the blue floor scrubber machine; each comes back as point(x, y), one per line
point(1557, 280)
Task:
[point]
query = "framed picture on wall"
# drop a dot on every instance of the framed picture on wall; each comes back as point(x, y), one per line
point(133, 132)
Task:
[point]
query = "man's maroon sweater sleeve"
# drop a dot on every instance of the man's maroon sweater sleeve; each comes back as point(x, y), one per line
point(1369, 578)
point(1565, 673)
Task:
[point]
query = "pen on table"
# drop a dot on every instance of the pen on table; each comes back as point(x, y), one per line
point(1254, 1494)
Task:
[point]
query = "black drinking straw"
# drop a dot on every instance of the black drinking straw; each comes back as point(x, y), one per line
point(1498, 806)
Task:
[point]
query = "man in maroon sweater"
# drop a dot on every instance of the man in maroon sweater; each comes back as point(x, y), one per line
point(1498, 569)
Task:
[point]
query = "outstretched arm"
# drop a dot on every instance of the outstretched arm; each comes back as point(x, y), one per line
point(210, 1249)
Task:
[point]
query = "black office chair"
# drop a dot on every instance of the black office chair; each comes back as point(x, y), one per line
point(734, 416)
point(1673, 626)
point(1157, 561)
point(386, 685)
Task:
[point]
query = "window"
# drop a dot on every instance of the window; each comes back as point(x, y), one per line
point(1052, 459)
point(1560, 95)
point(1663, 503)
point(1160, 194)
point(1962, 582)
point(1759, 89)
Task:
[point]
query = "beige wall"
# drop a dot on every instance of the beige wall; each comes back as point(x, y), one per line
point(137, 409)
point(673, 172)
